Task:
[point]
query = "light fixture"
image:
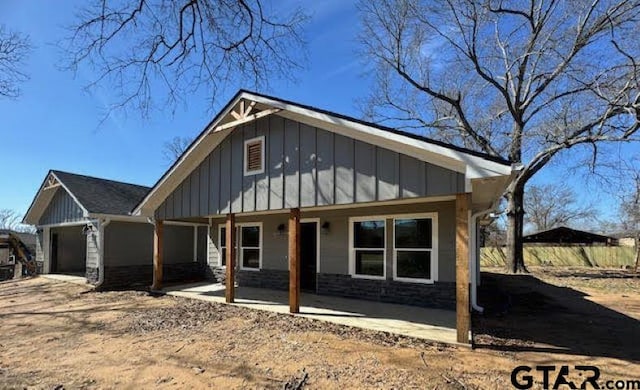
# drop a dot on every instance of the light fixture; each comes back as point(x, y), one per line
point(88, 229)
point(324, 229)
point(281, 230)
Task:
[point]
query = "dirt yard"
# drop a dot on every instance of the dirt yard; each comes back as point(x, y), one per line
point(57, 335)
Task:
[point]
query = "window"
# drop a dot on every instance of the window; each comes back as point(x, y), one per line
point(223, 245)
point(413, 244)
point(254, 156)
point(368, 248)
point(250, 244)
point(250, 241)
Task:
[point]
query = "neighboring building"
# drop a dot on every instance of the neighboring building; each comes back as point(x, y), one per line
point(28, 240)
point(15, 246)
point(84, 226)
point(330, 204)
point(566, 236)
point(14, 250)
point(625, 238)
point(627, 241)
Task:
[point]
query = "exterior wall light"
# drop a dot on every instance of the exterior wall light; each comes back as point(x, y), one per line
point(324, 229)
point(281, 230)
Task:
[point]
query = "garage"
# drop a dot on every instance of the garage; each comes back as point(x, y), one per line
point(68, 250)
point(85, 228)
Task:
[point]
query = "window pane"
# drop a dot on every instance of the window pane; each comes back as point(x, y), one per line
point(223, 259)
point(368, 234)
point(251, 258)
point(223, 236)
point(413, 233)
point(370, 263)
point(250, 236)
point(414, 264)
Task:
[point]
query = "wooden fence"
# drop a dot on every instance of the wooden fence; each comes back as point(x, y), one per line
point(586, 256)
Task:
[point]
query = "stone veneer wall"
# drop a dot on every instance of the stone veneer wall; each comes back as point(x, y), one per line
point(216, 274)
point(441, 295)
point(141, 276)
point(265, 278)
point(92, 275)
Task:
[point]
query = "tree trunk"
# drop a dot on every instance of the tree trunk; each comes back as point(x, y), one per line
point(515, 228)
point(637, 252)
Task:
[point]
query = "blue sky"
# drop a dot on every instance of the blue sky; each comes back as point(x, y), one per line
point(55, 124)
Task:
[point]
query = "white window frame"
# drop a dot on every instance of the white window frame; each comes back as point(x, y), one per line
point(433, 249)
point(220, 252)
point(239, 247)
point(246, 156)
point(352, 249)
point(240, 254)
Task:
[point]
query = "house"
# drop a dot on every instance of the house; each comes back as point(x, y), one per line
point(299, 198)
point(563, 235)
point(84, 227)
point(14, 250)
point(15, 245)
point(29, 241)
point(625, 238)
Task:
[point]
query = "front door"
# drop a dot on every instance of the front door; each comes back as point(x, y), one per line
point(308, 253)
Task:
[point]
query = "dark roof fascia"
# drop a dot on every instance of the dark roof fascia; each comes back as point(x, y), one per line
point(472, 152)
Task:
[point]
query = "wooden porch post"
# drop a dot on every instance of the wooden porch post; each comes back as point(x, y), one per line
point(463, 315)
point(230, 241)
point(158, 244)
point(294, 261)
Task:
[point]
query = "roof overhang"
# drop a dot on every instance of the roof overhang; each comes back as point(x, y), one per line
point(486, 192)
point(246, 107)
point(48, 189)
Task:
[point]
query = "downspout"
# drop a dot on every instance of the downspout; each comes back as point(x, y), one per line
point(473, 230)
point(102, 223)
point(473, 258)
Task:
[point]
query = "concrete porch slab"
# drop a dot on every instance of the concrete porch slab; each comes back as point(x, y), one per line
point(429, 324)
point(66, 278)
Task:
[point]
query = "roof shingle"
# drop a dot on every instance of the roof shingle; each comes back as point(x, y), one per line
point(102, 196)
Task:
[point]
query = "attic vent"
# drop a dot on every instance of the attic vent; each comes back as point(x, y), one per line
point(254, 156)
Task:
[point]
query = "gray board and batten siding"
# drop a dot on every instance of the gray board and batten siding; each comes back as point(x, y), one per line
point(305, 166)
point(62, 209)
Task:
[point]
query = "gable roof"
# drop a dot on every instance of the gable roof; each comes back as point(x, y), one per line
point(385, 128)
point(102, 196)
point(94, 195)
point(474, 164)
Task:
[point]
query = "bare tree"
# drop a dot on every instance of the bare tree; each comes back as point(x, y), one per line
point(524, 80)
point(14, 49)
point(493, 234)
point(10, 219)
point(552, 205)
point(172, 150)
point(166, 49)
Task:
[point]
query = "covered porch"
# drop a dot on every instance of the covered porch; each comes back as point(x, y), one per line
point(428, 324)
point(432, 324)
